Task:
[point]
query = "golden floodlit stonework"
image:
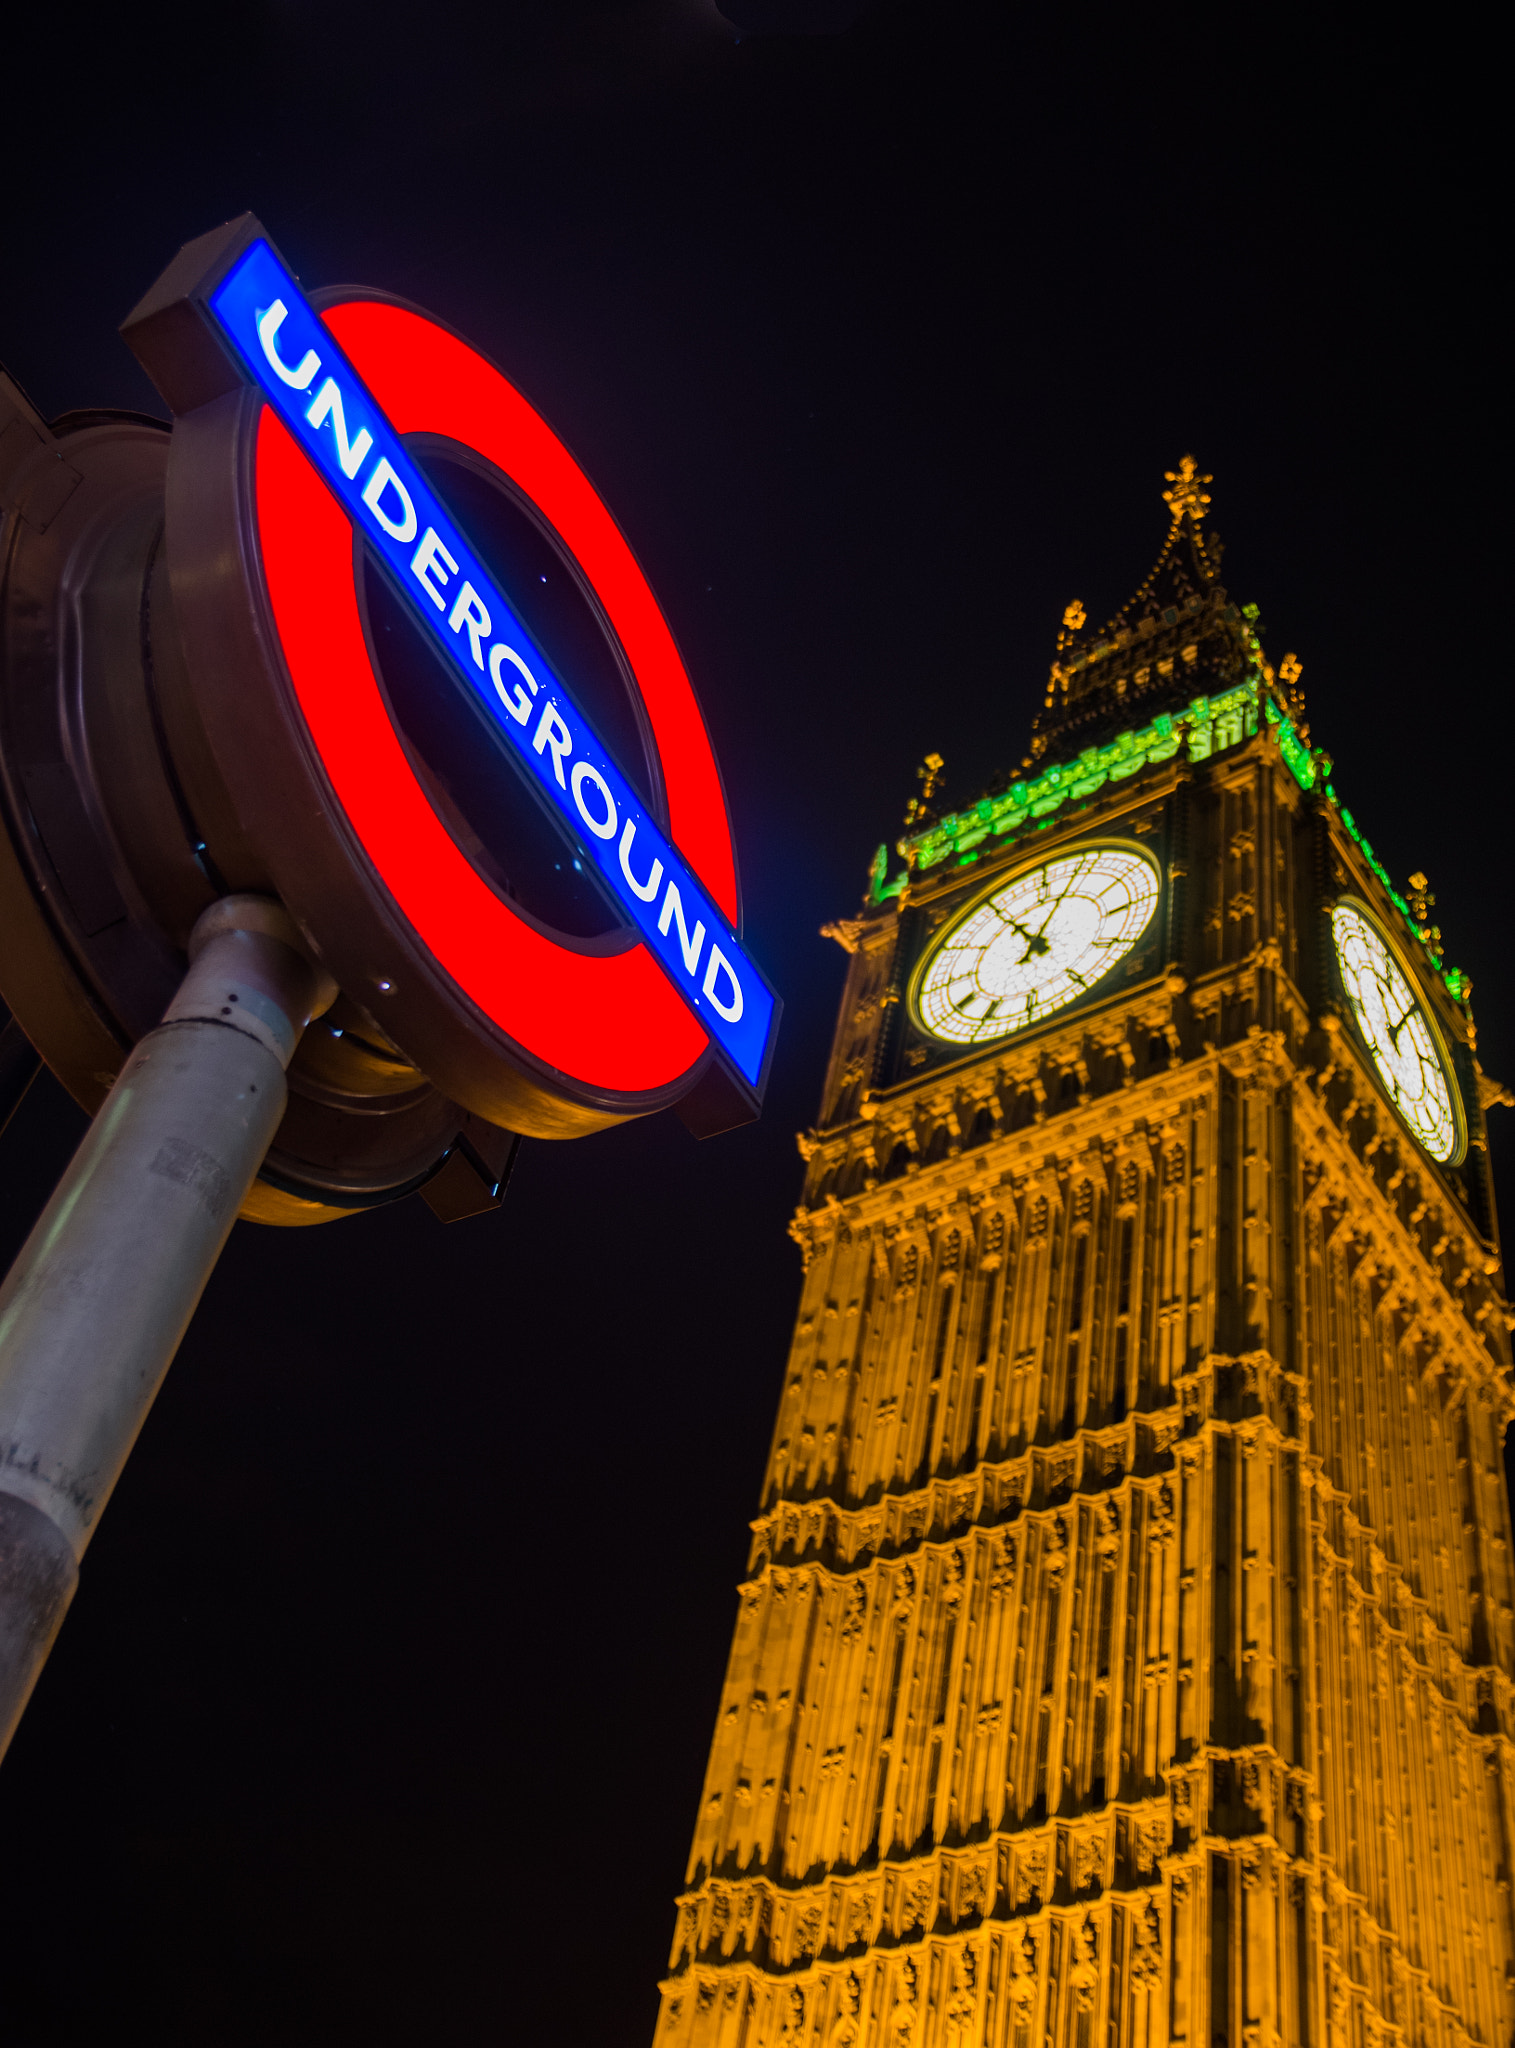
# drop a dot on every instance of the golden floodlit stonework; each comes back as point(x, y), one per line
point(1125, 1654)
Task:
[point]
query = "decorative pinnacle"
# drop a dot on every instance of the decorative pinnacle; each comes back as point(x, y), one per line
point(1188, 493)
point(929, 774)
point(1075, 617)
point(1422, 903)
point(1290, 669)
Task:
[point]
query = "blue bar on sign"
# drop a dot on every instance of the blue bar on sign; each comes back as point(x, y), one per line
point(294, 360)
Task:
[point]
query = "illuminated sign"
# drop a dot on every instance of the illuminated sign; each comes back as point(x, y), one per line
point(336, 420)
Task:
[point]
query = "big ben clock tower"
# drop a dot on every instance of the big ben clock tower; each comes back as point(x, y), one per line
point(1126, 1650)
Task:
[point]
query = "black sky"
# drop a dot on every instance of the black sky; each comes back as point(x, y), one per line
point(382, 1711)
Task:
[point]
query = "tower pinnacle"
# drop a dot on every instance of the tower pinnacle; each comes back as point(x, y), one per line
point(1188, 495)
point(1173, 626)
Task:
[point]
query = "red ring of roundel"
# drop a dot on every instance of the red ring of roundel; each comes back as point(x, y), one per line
point(613, 1023)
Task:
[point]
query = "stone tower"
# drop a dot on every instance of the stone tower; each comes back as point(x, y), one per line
point(1126, 1650)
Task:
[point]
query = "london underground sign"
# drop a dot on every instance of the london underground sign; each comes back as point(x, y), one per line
point(296, 435)
point(341, 428)
point(271, 903)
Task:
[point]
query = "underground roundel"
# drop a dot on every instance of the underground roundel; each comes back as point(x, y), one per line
point(1039, 943)
point(296, 467)
point(1397, 1033)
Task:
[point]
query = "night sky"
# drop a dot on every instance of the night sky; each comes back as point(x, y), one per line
point(382, 1710)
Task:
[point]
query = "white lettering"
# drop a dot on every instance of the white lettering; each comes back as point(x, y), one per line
point(650, 889)
point(551, 732)
point(689, 945)
point(602, 828)
point(350, 454)
point(381, 479)
point(269, 323)
point(719, 964)
point(519, 706)
point(470, 611)
point(431, 557)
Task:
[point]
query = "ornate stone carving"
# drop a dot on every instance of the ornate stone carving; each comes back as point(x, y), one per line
point(918, 1905)
point(1023, 1976)
point(953, 1576)
point(845, 2028)
point(1088, 1860)
point(1083, 1974)
point(962, 1998)
point(1149, 1842)
point(1030, 1874)
point(972, 1890)
point(861, 1913)
point(903, 2016)
point(1146, 1946)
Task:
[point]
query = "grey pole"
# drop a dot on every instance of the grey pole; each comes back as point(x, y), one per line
point(93, 1309)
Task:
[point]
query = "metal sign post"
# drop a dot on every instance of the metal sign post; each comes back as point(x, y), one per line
point(93, 1309)
point(204, 753)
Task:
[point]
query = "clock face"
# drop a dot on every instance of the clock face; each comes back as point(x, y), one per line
point(1397, 1032)
point(1042, 941)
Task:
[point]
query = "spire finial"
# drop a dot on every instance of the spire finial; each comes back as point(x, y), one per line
point(1188, 493)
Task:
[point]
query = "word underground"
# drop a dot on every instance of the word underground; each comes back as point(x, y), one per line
point(318, 395)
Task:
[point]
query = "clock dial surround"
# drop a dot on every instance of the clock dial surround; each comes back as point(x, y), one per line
point(1402, 1041)
point(1034, 944)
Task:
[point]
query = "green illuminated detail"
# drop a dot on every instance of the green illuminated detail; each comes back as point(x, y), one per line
point(880, 889)
point(1298, 758)
point(1207, 725)
point(1308, 768)
point(1457, 982)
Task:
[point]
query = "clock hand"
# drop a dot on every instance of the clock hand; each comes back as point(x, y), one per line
point(1038, 943)
point(1057, 906)
point(1035, 943)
